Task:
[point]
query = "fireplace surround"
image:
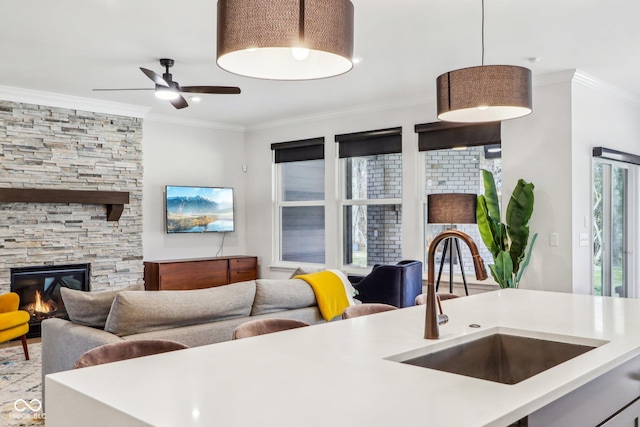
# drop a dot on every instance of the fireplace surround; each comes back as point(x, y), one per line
point(51, 151)
point(39, 290)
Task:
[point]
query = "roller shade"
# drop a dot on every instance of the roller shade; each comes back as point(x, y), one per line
point(297, 151)
point(444, 135)
point(382, 141)
point(620, 156)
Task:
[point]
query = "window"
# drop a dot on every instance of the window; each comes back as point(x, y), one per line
point(299, 204)
point(371, 179)
point(613, 186)
point(453, 155)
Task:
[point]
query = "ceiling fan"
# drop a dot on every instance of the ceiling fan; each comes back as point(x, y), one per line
point(167, 88)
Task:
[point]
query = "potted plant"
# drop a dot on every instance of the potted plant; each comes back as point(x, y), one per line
point(506, 241)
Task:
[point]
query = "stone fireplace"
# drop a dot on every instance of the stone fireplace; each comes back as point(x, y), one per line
point(51, 148)
point(39, 290)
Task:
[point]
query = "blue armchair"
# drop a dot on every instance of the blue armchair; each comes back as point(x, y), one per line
point(396, 285)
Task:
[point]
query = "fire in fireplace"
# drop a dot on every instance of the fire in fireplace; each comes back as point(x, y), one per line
point(39, 290)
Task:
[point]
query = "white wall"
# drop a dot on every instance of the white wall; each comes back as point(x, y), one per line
point(537, 148)
point(188, 154)
point(259, 177)
point(551, 148)
point(527, 144)
point(602, 117)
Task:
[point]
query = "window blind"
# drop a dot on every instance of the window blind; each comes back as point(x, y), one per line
point(381, 141)
point(297, 151)
point(444, 135)
point(606, 153)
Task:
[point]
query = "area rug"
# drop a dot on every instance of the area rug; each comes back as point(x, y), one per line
point(21, 387)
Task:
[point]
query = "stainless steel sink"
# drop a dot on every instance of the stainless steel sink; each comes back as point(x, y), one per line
point(501, 357)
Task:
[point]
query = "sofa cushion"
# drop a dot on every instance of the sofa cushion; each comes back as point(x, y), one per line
point(282, 294)
point(138, 312)
point(91, 308)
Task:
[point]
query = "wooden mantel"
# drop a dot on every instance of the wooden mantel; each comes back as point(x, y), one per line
point(115, 200)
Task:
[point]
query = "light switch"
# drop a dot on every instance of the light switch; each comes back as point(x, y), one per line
point(554, 239)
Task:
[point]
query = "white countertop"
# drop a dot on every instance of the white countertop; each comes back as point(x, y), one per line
point(337, 374)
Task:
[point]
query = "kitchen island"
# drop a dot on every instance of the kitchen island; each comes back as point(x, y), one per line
point(344, 373)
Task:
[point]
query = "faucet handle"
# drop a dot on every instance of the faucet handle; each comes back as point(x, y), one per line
point(442, 318)
point(439, 304)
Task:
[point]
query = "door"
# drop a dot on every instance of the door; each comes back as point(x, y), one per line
point(610, 228)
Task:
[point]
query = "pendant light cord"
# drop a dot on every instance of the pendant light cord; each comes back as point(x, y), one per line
point(483, 33)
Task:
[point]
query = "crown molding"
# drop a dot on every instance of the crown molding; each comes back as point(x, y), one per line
point(606, 88)
point(194, 123)
point(36, 97)
point(564, 76)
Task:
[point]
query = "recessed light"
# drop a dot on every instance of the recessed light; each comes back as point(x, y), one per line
point(356, 60)
point(195, 98)
point(534, 59)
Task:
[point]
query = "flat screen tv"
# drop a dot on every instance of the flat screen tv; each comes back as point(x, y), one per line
point(199, 209)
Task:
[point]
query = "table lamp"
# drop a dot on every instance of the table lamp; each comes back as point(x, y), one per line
point(451, 208)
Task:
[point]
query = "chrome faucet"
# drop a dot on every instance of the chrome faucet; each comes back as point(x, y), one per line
point(433, 319)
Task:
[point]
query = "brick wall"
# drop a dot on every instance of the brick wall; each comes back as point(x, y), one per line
point(384, 222)
point(458, 171)
point(54, 148)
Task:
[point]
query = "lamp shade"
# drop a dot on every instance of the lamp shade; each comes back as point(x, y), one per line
point(451, 208)
point(259, 38)
point(487, 93)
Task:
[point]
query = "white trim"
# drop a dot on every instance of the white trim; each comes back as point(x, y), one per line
point(633, 248)
point(606, 88)
point(278, 204)
point(195, 123)
point(371, 202)
point(554, 78)
point(36, 97)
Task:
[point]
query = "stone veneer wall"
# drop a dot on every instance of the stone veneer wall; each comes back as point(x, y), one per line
point(55, 148)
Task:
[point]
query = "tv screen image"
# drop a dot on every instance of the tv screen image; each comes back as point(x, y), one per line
point(199, 209)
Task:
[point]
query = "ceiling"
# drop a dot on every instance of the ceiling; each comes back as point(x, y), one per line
point(72, 46)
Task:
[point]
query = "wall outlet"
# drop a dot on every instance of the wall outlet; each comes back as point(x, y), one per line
point(554, 239)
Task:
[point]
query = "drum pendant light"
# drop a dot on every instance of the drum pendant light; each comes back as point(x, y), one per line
point(285, 39)
point(487, 93)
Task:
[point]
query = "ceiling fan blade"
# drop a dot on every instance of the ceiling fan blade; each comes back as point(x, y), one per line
point(104, 90)
point(223, 90)
point(179, 102)
point(155, 77)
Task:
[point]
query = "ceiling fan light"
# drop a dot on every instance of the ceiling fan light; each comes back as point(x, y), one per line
point(166, 93)
point(486, 93)
point(271, 28)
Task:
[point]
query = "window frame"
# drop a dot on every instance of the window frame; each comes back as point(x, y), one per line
point(380, 146)
point(451, 136)
point(631, 163)
point(278, 201)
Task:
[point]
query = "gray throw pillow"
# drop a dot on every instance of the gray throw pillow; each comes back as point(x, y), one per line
point(139, 312)
point(282, 294)
point(91, 308)
point(299, 272)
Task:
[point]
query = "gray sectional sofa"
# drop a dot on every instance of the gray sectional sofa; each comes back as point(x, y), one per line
point(194, 317)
